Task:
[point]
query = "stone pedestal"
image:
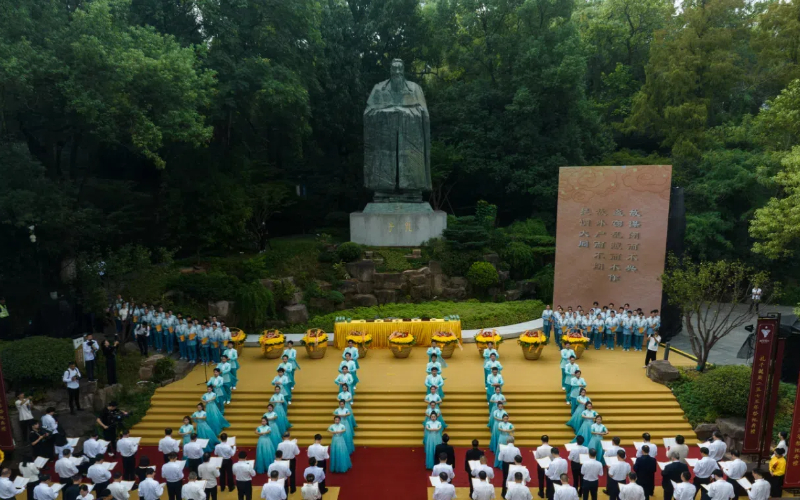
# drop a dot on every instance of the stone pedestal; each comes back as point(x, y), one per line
point(396, 224)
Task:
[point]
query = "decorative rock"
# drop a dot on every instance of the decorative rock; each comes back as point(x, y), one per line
point(387, 281)
point(348, 286)
point(289, 280)
point(323, 285)
point(364, 287)
point(418, 280)
point(220, 308)
point(296, 314)
point(362, 270)
point(268, 284)
point(421, 292)
point(105, 396)
point(705, 431)
point(130, 348)
point(732, 427)
point(182, 369)
point(146, 372)
point(528, 288)
point(437, 283)
point(386, 296)
point(662, 371)
point(454, 293)
point(365, 300)
point(503, 275)
point(458, 282)
point(296, 298)
point(492, 258)
point(513, 294)
point(435, 267)
point(323, 305)
point(368, 254)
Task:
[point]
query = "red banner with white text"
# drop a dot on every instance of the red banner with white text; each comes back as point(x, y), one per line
point(766, 334)
point(792, 479)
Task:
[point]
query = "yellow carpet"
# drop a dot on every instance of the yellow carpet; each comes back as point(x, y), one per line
point(390, 404)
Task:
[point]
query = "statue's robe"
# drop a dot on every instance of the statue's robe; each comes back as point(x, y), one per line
point(397, 139)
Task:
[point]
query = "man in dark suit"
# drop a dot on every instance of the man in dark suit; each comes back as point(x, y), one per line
point(474, 454)
point(72, 489)
point(672, 472)
point(447, 450)
point(645, 468)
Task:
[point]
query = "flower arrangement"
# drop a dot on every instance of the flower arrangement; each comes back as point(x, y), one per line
point(360, 338)
point(444, 338)
point(270, 340)
point(315, 336)
point(575, 338)
point(532, 338)
point(238, 335)
point(402, 339)
point(486, 336)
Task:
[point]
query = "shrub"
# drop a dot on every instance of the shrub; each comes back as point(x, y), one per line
point(37, 362)
point(164, 370)
point(482, 275)
point(349, 251)
point(521, 259)
point(336, 296)
point(204, 287)
point(254, 305)
point(545, 281)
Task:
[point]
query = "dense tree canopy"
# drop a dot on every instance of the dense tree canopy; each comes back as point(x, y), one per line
point(206, 127)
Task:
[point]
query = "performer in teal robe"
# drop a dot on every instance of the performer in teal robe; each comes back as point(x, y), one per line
point(275, 432)
point(576, 420)
point(505, 429)
point(433, 437)
point(339, 453)
point(214, 417)
point(344, 418)
point(598, 430)
point(265, 447)
point(204, 431)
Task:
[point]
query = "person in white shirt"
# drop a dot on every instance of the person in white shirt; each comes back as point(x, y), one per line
point(717, 447)
point(7, 489)
point(591, 472)
point(316, 472)
point(702, 472)
point(311, 489)
point(508, 456)
point(736, 470)
point(44, 490)
point(653, 448)
point(65, 468)
point(445, 490)
point(542, 452)
point(84, 493)
point(719, 489)
point(226, 453)
point(680, 448)
point(290, 451)
point(557, 467)
point(208, 473)
point(483, 490)
point(273, 490)
point(244, 474)
point(443, 467)
point(193, 490)
point(26, 419)
point(617, 473)
point(117, 490)
point(168, 444)
point(755, 296)
point(320, 453)
point(685, 490)
point(127, 447)
point(282, 468)
point(29, 471)
point(90, 348)
point(149, 489)
point(574, 458)
point(632, 490)
point(193, 453)
point(92, 448)
point(518, 490)
point(565, 491)
point(761, 487)
point(71, 380)
point(172, 472)
point(483, 467)
point(99, 474)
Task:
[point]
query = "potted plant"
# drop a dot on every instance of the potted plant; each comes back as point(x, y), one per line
point(532, 342)
point(447, 341)
point(238, 337)
point(271, 342)
point(316, 343)
point(577, 341)
point(401, 344)
point(484, 337)
point(362, 340)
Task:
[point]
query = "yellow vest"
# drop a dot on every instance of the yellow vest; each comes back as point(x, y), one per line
point(3, 311)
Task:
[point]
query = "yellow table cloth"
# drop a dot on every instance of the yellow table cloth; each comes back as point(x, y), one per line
point(421, 330)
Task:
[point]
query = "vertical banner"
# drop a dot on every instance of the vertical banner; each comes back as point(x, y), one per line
point(792, 479)
point(777, 366)
point(766, 333)
point(6, 435)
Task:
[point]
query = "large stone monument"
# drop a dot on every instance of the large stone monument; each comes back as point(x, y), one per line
point(397, 167)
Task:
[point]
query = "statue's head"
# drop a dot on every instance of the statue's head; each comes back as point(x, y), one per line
point(397, 71)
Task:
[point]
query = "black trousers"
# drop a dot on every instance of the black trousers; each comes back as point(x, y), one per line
point(323, 464)
point(698, 482)
point(30, 486)
point(589, 488)
point(777, 486)
point(226, 475)
point(111, 370)
point(245, 490)
point(26, 427)
point(174, 490)
point(293, 477)
point(540, 475)
point(613, 489)
point(738, 490)
point(141, 341)
point(74, 399)
point(650, 356)
point(668, 491)
point(194, 464)
point(110, 435)
point(505, 479)
point(89, 369)
point(551, 490)
point(103, 486)
point(166, 458)
point(129, 468)
point(576, 476)
point(211, 493)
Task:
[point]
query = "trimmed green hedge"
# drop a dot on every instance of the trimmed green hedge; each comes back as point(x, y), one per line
point(37, 362)
point(473, 314)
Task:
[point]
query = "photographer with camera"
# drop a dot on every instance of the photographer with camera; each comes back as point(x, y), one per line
point(110, 353)
point(653, 339)
point(112, 416)
point(71, 380)
point(90, 348)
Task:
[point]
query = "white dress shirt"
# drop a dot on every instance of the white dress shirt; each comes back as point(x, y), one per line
point(575, 453)
point(310, 491)
point(169, 445)
point(484, 491)
point(612, 452)
point(705, 467)
point(87, 496)
point(283, 470)
point(172, 472)
point(485, 468)
point(243, 471)
point(318, 451)
point(149, 489)
point(193, 490)
point(509, 453)
point(444, 491)
point(317, 472)
point(684, 491)
point(92, 448)
point(273, 491)
point(631, 491)
point(24, 409)
point(65, 468)
point(565, 492)
point(557, 467)
point(736, 469)
point(619, 471)
point(720, 490)
point(88, 353)
point(289, 449)
point(7, 489)
point(653, 450)
point(717, 449)
point(67, 378)
point(98, 474)
point(118, 492)
point(446, 468)
point(43, 491)
point(225, 451)
point(542, 451)
point(208, 473)
point(29, 471)
point(591, 470)
point(127, 447)
point(518, 492)
point(193, 450)
point(760, 490)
